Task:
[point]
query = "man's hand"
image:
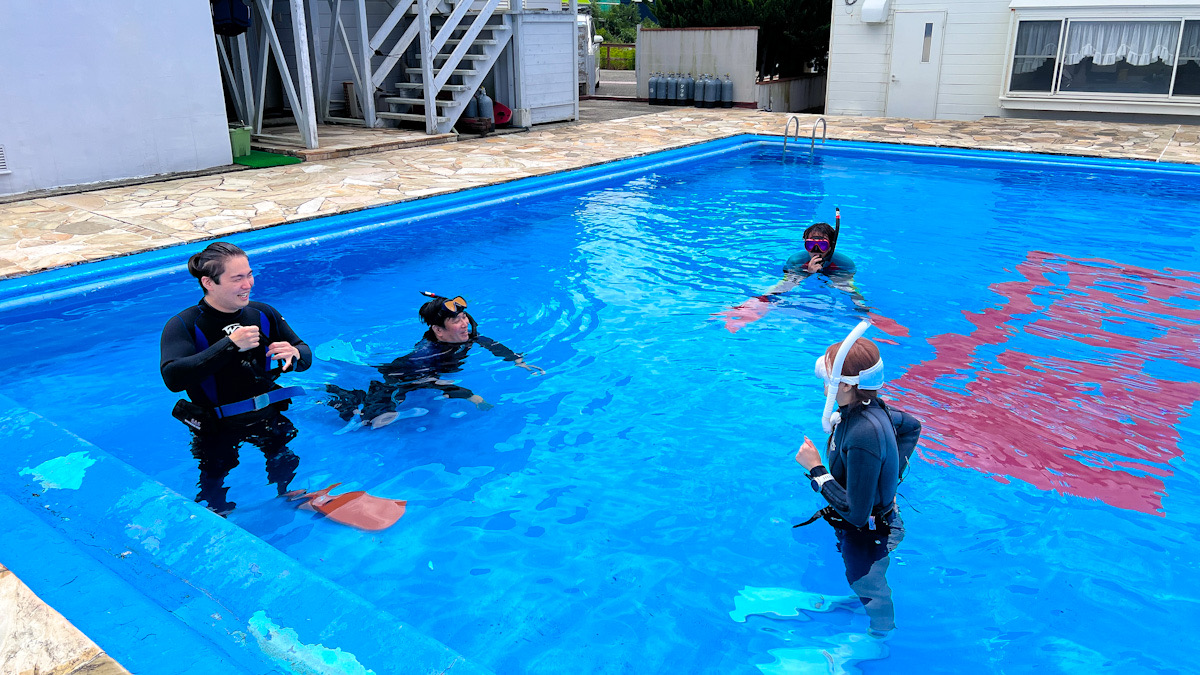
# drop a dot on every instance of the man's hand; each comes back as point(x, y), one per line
point(814, 265)
point(520, 363)
point(245, 337)
point(808, 456)
point(283, 351)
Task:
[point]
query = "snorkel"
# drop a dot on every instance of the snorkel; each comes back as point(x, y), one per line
point(871, 378)
point(837, 229)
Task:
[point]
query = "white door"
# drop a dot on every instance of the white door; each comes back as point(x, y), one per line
point(916, 64)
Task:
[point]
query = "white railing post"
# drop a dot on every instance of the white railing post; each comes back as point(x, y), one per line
point(366, 91)
point(308, 104)
point(427, 56)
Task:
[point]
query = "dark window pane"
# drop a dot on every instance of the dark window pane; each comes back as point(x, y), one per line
point(1034, 55)
point(1127, 57)
point(1187, 74)
point(1119, 77)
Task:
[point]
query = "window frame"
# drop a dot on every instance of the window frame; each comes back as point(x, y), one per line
point(1169, 103)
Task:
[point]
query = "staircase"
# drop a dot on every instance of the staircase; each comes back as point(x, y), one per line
point(464, 37)
point(464, 52)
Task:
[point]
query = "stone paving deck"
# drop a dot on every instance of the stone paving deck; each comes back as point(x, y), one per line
point(41, 234)
point(36, 640)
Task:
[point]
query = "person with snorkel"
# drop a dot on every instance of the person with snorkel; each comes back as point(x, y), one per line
point(441, 351)
point(820, 256)
point(866, 458)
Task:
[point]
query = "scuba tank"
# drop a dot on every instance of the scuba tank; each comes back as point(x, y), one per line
point(727, 92)
point(690, 90)
point(472, 107)
point(681, 90)
point(712, 92)
point(485, 105)
point(698, 94)
point(653, 89)
point(672, 86)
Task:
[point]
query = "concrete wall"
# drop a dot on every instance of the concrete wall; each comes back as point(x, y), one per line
point(98, 91)
point(699, 50)
point(791, 94)
point(973, 58)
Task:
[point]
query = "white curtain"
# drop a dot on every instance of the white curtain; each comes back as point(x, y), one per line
point(1190, 49)
point(1138, 42)
point(1036, 38)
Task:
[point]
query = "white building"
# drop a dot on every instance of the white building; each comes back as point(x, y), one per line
point(966, 59)
point(99, 91)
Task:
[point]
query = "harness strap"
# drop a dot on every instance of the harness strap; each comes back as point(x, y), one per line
point(258, 402)
point(877, 514)
point(815, 517)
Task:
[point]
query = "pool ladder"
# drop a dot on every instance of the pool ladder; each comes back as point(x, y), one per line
point(813, 144)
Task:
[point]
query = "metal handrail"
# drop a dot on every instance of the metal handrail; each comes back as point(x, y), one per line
point(824, 129)
point(787, 127)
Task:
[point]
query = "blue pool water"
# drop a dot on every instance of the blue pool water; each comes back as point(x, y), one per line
point(1041, 320)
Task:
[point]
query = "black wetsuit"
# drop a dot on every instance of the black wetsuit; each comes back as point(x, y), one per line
point(867, 455)
point(219, 374)
point(419, 369)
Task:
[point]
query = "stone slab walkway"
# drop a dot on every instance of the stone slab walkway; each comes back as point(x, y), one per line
point(36, 640)
point(50, 232)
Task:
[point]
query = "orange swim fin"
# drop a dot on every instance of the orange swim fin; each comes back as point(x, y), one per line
point(356, 509)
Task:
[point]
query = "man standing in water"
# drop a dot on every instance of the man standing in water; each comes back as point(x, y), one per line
point(220, 351)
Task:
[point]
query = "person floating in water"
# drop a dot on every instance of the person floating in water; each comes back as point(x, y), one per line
point(866, 457)
point(220, 351)
point(441, 351)
point(819, 256)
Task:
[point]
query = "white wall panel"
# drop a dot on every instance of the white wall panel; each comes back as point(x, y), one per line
point(549, 81)
point(975, 39)
point(99, 91)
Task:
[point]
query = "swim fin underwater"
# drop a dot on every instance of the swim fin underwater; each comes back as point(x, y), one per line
point(356, 509)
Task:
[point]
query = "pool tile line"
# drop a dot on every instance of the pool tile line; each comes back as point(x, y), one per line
point(234, 590)
point(46, 233)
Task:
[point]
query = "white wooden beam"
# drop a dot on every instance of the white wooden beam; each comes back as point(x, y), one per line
point(335, 8)
point(574, 9)
point(313, 22)
point(427, 56)
point(246, 81)
point(365, 90)
point(304, 67)
point(397, 50)
point(231, 80)
point(467, 40)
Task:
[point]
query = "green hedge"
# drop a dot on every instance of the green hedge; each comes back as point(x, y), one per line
point(616, 58)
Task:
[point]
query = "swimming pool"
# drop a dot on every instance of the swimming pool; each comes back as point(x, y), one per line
point(1041, 315)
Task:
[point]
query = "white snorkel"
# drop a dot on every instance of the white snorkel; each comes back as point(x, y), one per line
point(871, 378)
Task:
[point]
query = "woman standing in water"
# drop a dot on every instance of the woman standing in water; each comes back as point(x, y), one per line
point(865, 459)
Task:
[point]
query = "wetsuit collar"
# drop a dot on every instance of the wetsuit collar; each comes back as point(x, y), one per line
point(209, 309)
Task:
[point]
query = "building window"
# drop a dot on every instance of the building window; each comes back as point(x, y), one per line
point(1128, 57)
point(1035, 58)
point(1132, 59)
point(1187, 73)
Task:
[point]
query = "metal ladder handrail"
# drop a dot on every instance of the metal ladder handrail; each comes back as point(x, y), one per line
point(787, 127)
point(824, 130)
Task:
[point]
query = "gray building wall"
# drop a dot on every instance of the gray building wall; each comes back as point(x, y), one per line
point(97, 91)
